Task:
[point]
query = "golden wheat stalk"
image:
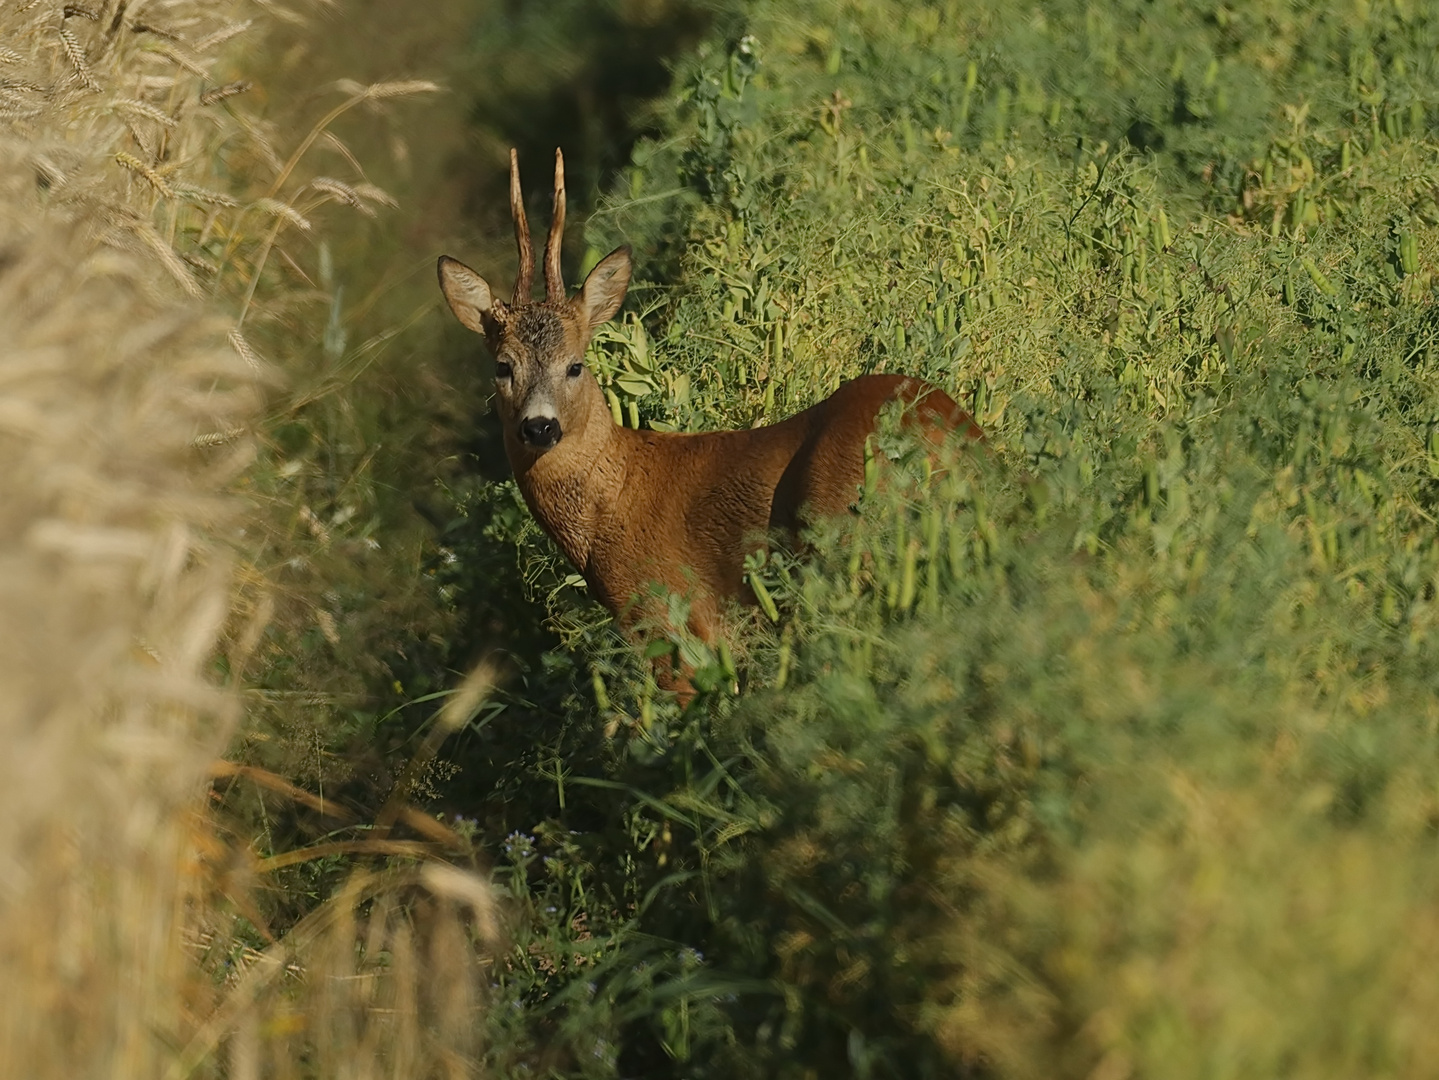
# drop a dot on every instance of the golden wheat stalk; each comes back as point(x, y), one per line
point(119, 384)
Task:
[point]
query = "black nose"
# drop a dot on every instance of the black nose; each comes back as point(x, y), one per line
point(541, 431)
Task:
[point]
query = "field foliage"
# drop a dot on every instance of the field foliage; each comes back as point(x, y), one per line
point(1112, 752)
point(1109, 749)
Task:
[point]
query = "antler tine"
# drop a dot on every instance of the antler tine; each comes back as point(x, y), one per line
point(554, 281)
point(522, 235)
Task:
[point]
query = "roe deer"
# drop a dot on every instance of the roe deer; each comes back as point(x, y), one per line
point(630, 508)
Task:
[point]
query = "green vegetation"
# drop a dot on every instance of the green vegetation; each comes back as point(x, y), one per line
point(1116, 755)
point(1111, 750)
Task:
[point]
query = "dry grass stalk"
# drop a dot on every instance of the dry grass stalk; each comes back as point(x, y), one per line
point(115, 592)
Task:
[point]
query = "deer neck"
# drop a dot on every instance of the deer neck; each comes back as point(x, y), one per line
point(573, 488)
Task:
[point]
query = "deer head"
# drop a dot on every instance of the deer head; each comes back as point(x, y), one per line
point(543, 390)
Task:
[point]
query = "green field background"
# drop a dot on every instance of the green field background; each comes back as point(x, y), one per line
point(1111, 751)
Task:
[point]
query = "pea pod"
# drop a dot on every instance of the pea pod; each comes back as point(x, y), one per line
point(1409, 253)
point(1322, 283)
point(766, 601)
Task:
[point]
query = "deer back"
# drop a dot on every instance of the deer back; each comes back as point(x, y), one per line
point(684, 510)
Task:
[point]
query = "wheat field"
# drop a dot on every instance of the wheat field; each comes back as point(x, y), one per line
point(140, 202)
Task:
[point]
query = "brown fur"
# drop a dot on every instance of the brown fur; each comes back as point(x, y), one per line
point(630, 508)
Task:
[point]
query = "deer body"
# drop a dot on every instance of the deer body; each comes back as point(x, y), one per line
point(633, 507)
point(629, 508)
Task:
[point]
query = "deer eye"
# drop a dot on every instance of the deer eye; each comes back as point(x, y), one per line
point(575, 370)
point(503, 370)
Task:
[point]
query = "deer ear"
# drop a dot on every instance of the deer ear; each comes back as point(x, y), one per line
point(469, 297)
point(604, 290)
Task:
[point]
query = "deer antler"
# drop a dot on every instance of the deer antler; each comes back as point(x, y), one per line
point(554, 281)
point(522, 235)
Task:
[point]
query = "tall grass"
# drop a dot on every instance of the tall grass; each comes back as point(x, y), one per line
point(142, 212)
point(1117, 759)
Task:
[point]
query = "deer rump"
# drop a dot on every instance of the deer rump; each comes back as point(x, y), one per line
point(631, 509)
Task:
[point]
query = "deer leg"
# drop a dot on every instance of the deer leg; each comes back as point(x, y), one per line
point(675, 675)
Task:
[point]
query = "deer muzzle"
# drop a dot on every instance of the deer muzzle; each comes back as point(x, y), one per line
point(541, 432)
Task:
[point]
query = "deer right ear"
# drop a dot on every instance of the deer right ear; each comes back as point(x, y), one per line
point(469, 297)
point(604, 290)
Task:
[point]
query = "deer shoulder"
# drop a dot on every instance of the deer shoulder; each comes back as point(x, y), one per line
point(632, 508)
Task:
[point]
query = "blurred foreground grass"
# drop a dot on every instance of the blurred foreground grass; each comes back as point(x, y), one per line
point(144, 214)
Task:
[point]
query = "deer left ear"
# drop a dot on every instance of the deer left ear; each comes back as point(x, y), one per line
point(469, 297)
point(604, 290)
